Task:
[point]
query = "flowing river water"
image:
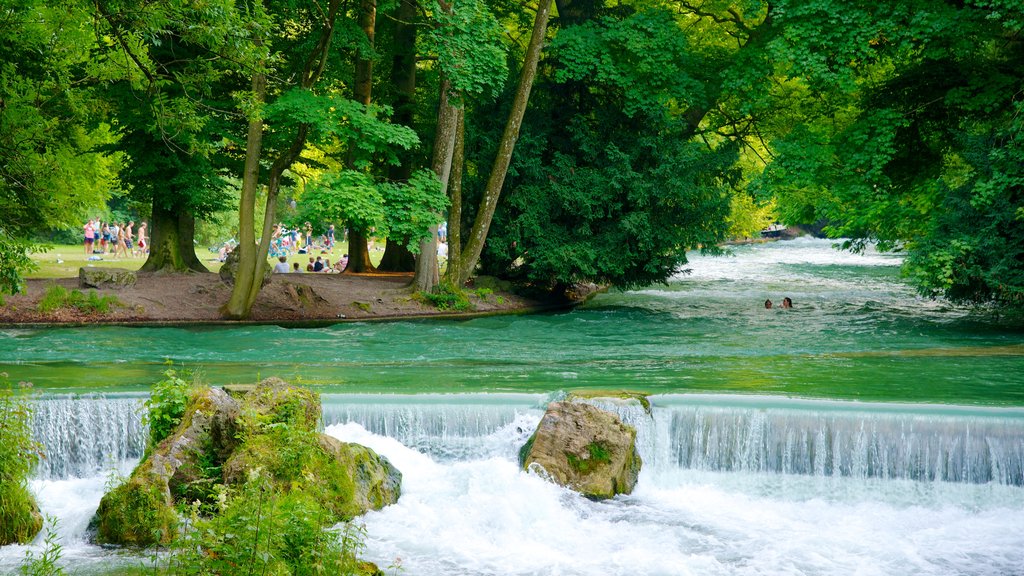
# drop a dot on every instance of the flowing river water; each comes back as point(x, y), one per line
point(864, 431)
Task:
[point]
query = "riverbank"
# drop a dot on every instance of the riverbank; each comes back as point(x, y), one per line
point(291, 299)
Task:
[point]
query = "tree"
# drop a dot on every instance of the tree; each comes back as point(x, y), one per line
point(165, 65)
point(50, 170)
point(923, 151)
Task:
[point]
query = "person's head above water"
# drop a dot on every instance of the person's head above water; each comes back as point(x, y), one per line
point(787, 302)
point(768, 303)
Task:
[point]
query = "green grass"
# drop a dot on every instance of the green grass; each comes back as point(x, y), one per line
point(64, 260)
point(57, 297)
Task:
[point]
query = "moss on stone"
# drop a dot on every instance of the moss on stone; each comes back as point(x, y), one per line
point(136, 513)
point(525, 450)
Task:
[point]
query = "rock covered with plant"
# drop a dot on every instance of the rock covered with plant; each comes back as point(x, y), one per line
point(20, 519)
point(226, 461)
point(583, 447)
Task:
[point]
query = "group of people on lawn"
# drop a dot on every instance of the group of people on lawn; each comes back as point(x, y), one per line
point(118, 237)
point(320, 265)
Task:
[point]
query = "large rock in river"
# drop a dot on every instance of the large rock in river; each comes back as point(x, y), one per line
point(183, 467)
point(282, 443)
point(582, 447)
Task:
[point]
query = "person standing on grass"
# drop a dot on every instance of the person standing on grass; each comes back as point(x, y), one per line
point(330, 238)
point(90, 236)
point(309, 237)
point(142, 239)
point(129, 236)
point(122, 246)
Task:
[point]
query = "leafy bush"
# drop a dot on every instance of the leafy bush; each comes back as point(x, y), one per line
point(264, 530)
point(19, 516)
point(58, 297)
point(166, 404)
point(446, 296)
point(483, 293)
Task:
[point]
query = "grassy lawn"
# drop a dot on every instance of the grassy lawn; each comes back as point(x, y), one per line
point(64, 260)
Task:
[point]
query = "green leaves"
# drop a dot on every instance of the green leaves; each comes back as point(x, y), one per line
point(467, 40)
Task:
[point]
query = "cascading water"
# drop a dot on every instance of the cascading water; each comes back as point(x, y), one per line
point(82, 435)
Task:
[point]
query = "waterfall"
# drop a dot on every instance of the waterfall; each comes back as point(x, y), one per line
point(83, 435)
point(446, 427)
point(831, 439)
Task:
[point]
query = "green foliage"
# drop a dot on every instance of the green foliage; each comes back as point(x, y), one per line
point(57, 297)
point(47, 563)
point(261, 530)
point(607, 184)
point(14, 263)
point(747, 217)
point(468, 42)
point(446, 296)
point(19, 453)
point(166, 404)
point(412, 207)
point(136, 512)
point(483, 293)
point(920, 148)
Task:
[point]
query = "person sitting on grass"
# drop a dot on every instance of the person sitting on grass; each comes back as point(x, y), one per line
point(295, 268)
point(282, 265)
point(309, 267)
point(318, 266)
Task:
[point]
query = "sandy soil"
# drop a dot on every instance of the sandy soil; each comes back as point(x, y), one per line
point(289, 298)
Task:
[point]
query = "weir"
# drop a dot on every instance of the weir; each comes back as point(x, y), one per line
point(82, 435)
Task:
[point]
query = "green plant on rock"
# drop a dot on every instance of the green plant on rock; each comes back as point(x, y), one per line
point(20, 520)
point(597, 454)
point(262, 529)
point(166, 404)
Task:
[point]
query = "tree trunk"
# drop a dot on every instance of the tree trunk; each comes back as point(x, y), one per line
point(239, 306)
point(453, 271)
point(427, 274)
point(358, 253)
point(252, 259)
point(489, 201)
point(171, 243)
point(397, 257)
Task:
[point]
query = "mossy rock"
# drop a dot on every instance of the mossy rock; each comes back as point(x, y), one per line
point(137, 513)
point(376, 482)
point(274, 401)
point(184, 467)
point(348, 479)
point(584, 448)
point(229, 269)
point(20, 519)
point(611, 395)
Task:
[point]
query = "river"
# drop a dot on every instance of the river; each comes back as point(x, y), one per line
point(864, 431)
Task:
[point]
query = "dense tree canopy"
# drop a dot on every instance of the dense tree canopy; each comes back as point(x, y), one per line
point(653, 126)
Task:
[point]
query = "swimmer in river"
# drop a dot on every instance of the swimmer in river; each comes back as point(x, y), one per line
point(767, 304)
point(787, 302)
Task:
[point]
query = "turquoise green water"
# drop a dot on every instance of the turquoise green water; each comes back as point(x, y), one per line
point(856, 332)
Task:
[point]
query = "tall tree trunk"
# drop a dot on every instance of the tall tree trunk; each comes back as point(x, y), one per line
point(358, 253)
point(397, 257)
point(252, 259)
point(427, 274)
point(453, 271)
point(489, 201)
point(238, 305)
point(171, 243)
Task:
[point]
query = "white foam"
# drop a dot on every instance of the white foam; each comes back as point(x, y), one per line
point(488, 517)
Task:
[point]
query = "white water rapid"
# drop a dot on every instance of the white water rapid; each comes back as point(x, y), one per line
point(730, 485)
